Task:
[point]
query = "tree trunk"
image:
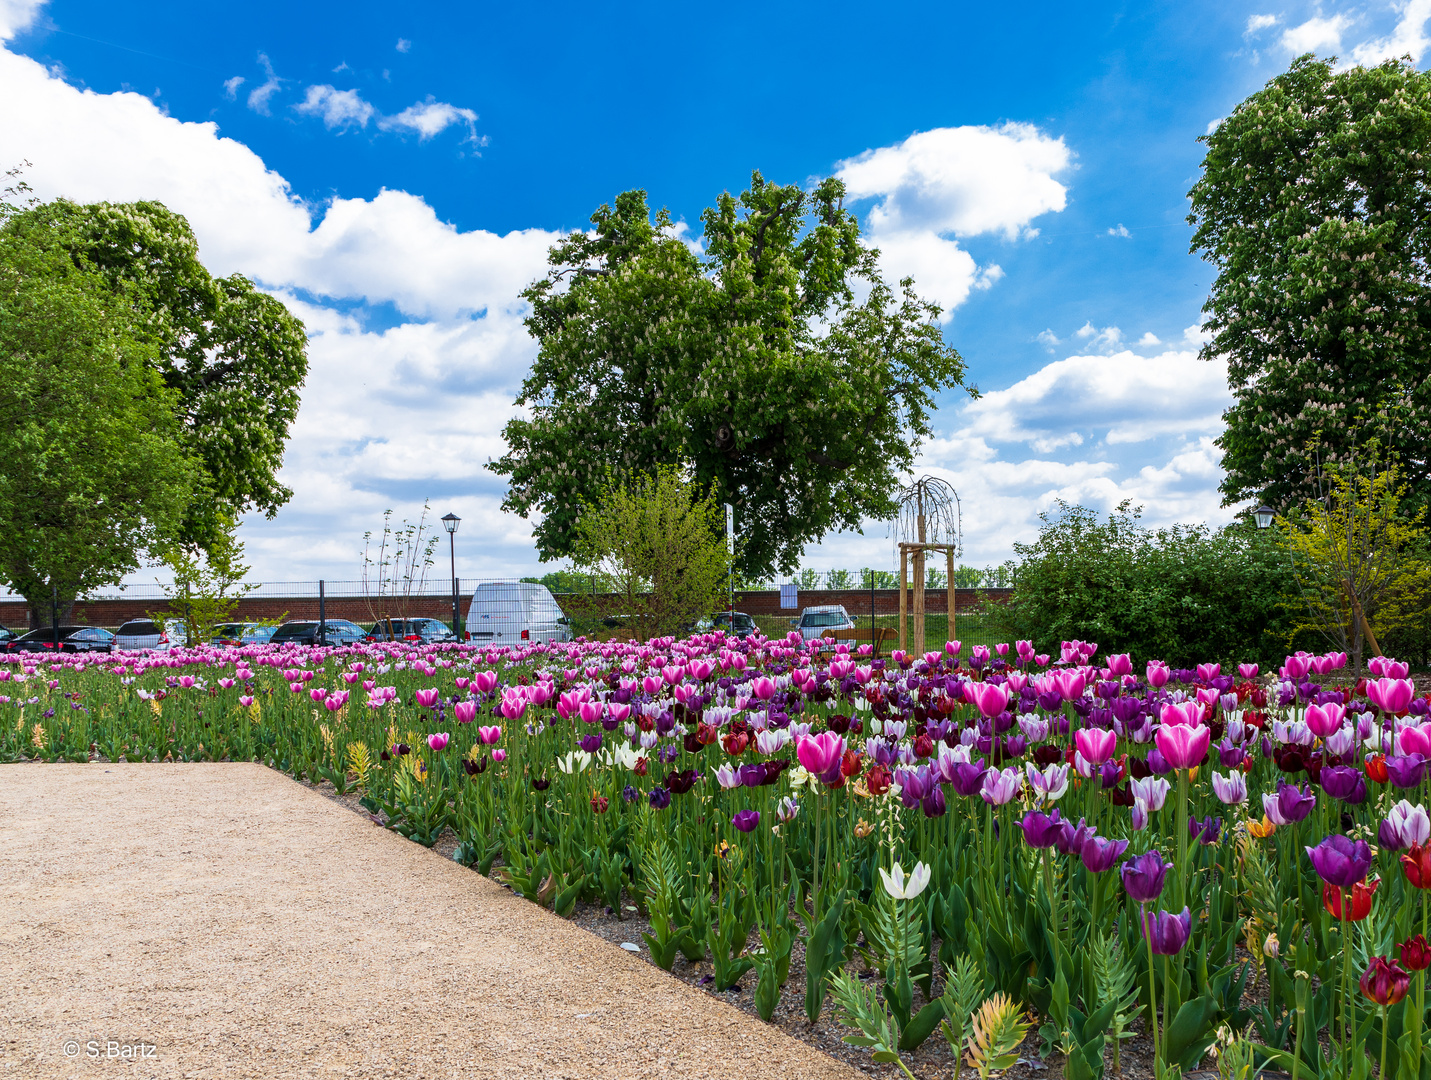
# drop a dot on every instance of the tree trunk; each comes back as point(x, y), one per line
point(39, 610)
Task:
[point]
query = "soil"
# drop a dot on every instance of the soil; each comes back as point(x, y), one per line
point(219, 920)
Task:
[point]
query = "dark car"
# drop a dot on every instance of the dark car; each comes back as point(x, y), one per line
point(73, 639)
point(305, 632)
point(425, 631)
point(744, 625)
point(243, 633)
point(6, 636)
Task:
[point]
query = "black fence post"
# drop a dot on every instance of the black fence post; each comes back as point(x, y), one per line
point(55, 613)
point(322, 617)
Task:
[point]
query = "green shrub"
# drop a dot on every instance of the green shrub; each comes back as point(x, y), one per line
point(1183, 594)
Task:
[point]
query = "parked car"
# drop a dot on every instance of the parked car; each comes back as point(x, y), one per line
point(145, 634)
point(427, 631)
point(305, 632)
point(742, 626)
point(73, 639)
point(6, 636)
point(506, 612)
point(245, 633)
point(815, 622)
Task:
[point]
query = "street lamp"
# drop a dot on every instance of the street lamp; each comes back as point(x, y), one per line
point(1263, 515)
point(450, 521)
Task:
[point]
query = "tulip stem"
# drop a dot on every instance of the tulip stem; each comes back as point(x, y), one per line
point(1382, 1071)
point(1346, 976)
point(1182, 841)
point(1152, 993)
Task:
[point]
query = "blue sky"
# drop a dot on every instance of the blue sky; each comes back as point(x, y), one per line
point(395, 175)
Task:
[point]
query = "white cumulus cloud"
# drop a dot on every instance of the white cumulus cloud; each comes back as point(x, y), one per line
point(938, 186)
point(340, 109)
point(1319, 34)
point(1408, 38)
point(17, 15)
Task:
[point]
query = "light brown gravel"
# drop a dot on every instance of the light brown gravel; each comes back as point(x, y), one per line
point(245, 926)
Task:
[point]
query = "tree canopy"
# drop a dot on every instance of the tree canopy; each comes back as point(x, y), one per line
point(1314, 207)
point(775, 366)
point(94, 468)
point(235, 357)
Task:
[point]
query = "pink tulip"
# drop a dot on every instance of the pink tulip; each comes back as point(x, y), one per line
point(1189, 713)
point(246, 700)
point(1070, 683)
point(513, 705)
point(499, 755)
point(618, 711)
point(438, 741)
point(953, 647)
point(1208, 672)
point(590, 711)
point(1247, 671)
point(1158, 674)
point(489, 735)
point(318, 694)
point(1415, 740)
point(990, 699)
point(485, 681)
point(1391, 695)
point(764, 688)
point(820, 753)
point(1120, 664)
point(425, 698)
point(464, 712)
point(1095, 744)
point(1326, 719)
point(1183, 745)
point(1297, 665)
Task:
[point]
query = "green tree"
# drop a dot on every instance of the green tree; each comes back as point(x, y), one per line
point(94, 466)
point(1357, 559)
point(1315, 208)
point(235, 357)
point(567, 581)
point(208, 583)
point(659, 541)
point(839, 579)
point(1183, 594)
point(756, 365)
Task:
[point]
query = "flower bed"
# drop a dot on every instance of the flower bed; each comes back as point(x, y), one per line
point(997, 842)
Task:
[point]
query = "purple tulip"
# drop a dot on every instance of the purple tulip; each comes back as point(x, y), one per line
point(1293, 804)
point(1099, 855)
point(933, 801)
point(1344, 783)
point(1340, 861)
point(1158, 763)
point(1406, 770)
point(1042, 830)
point(1145, 875)
point(660, 798)
point(1231, 756)
point(967, 778)
point(1071, 839)
point(752, 775)
point(1205, 832)
point(1167, 933)
point(746, 820)
point(1109, 773)
point(590, 743)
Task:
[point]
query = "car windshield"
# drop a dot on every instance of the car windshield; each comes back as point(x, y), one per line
point(824, 618)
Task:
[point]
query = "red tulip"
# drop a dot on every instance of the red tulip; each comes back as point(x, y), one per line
point(1417, 865)
point(1361, 894)
point(1416, 953)
point(1385, 982)
point(1376, 768)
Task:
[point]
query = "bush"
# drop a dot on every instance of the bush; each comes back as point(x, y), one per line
point(1180, 594)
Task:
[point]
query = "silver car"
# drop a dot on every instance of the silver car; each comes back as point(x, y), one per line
point(817, 622)
point(145, 635)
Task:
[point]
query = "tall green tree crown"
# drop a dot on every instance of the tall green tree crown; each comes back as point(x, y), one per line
point(774, 363)
point(1315, 208)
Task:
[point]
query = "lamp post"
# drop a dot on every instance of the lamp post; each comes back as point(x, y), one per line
point(450, 521)
point(1263, 515)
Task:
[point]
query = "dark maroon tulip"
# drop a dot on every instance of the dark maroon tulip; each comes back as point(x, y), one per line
point(1416, 953)
point(1340, 861)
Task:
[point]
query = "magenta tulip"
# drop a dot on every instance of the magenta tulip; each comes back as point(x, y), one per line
point(438, 741)
point(820, 753)
point(1095, 744)
point(1326, 719)
point(1391, 695)
point(1184, 746)
point(988, 698)
point(464, 712)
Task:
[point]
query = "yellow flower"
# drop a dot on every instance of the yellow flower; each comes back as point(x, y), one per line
point(863, 828)
point(37, 736)
point(1262, 829)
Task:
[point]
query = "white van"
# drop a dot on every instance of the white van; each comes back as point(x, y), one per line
point(507, 613)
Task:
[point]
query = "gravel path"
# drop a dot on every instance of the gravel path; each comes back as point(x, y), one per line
point(242, 925)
